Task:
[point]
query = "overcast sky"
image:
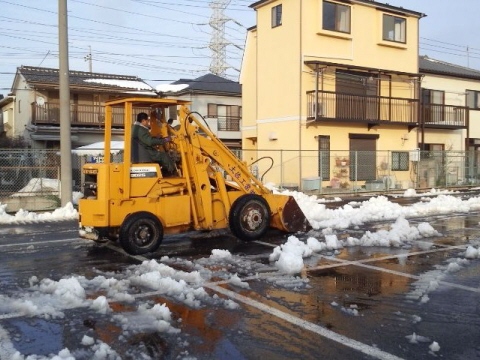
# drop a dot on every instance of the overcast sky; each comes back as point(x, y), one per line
point(164, 40)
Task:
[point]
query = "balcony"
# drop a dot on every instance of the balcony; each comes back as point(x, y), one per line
point(441, 116)
point(80, 115)
point(326, 106)
point(228, 123)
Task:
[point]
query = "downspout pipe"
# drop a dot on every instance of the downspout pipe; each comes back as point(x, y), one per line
point(300, 98)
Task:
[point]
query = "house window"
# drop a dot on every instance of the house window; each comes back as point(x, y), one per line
point(324, 157)
point(400, 160)
point(432, 151)
point(277, 16)
point(336, 17)
point(212, 111)
point(473, 99)
point(394, 28)
point(228, 116)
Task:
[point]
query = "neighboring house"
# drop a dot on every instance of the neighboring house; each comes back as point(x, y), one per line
point(450, 100)
point(219, 101)
point(6, 115)
point(447, 91)
point(331, 75)
point(32, 109)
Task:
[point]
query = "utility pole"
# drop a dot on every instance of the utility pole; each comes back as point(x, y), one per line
point(63, 75)
point(88, 58)
point(218, 44)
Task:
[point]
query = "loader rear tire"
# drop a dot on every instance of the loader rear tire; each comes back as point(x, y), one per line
point(141, 233)
point(249, 217)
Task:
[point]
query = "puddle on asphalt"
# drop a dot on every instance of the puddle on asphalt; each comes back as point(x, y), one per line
point(36, 336)
point(381, 308)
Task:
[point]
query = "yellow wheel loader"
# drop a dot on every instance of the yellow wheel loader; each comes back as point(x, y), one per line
point(137, 204)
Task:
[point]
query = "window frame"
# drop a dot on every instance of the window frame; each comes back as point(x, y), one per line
point(472, 97)
point(337, 17)
point(228, 116)
point(396, 162)
point(324, 156)
point(212, 111)
point(277, 15)
point(403, 30)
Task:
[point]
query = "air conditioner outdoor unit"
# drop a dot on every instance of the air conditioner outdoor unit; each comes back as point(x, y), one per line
point(389, 181)
point(311, 183)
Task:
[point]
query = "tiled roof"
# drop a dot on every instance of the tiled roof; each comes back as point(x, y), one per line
point(210, 83)
point(49, 77)
point(432, 66)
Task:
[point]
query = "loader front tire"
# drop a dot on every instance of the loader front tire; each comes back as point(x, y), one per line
point(141, 233)
point(249, 217)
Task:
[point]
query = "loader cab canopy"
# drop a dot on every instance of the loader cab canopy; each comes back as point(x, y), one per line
point(122, 113)
point(146, 102)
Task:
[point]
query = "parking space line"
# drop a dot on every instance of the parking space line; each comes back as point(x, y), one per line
point(264, 243)
point(363, 263)
point(343, 340)
point(40, 242)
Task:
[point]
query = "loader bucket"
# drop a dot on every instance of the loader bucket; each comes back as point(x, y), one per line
point(286, 214)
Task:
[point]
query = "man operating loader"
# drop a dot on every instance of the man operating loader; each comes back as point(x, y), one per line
point(143, 145)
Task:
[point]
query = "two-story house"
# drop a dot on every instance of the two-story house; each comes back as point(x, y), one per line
point(219, 101)
point(450, 104)
point(32, 109)
point(323, 76)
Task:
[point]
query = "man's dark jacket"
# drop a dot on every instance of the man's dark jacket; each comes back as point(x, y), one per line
point(143, 150)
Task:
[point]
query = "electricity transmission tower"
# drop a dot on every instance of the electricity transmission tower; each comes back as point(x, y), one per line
point(218, 43)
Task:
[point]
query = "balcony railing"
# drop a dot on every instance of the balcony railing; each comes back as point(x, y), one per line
point(329, 106)
point(94, 116)
point(444, 116)
point(228, 123)
point(326, 105)
point(80, 115)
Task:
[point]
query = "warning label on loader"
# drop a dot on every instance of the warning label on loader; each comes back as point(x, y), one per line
point(143, 172)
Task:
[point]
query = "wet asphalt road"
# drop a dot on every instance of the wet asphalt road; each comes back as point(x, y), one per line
point(360, 303)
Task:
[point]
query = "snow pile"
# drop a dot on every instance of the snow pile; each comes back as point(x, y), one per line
point(472, 253)
point(289, 257)
point(130, 84)
point(68, 212)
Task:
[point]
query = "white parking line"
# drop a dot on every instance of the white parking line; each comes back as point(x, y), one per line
point(353, 344)
point(363, 263)
point(40, 242)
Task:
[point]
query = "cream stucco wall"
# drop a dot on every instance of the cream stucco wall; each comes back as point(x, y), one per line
point(364, 45)
point(24, 98)
point(248, 78)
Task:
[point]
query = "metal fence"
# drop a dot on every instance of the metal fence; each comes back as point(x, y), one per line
point(345, 171)
point(30, 179)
